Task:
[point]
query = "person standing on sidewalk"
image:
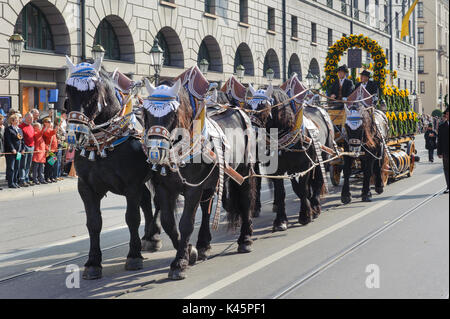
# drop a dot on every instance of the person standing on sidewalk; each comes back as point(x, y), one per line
point(27, 158)
point(51, 142)
point(14, 145)
point(430, 142)
point(443, 147)
point(39, 155)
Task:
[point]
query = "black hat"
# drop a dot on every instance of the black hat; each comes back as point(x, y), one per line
point(366, 73)
point(446, 111)
point(342, 68)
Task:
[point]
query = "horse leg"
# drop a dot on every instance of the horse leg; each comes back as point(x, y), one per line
point(180, 263)
point(133, 219)
point(258, 181)
point(280, 222)
point(91, 200)
point(377, 170)
point(152, 237)
point(346, 196)
point(368, 171)
point(204, 235)
point(317, 184)
point(246, 193)
point(167, 202)
point(306, 213)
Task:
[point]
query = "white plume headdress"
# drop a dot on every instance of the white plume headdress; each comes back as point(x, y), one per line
point(83, 76)
point(163, 99)
point(260, 96)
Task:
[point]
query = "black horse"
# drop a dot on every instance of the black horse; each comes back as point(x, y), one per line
point(123, 171)
point(294, 157)
point(172, 108)
point(364, 139)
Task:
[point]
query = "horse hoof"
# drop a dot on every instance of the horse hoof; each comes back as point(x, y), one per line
point(151, 246)
point(366, 199)
point(134, 264)
point(379, 190)
point(316, 212)
point(245, 248)
point(346, 200)
point(92, 273)
point(304, 220)
point(193, 255)
point(177, 274)
point(280, 227)
point(203, 253)
point(256, 213)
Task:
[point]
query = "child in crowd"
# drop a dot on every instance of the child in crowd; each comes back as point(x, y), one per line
point(39, 156)
point(51, 142)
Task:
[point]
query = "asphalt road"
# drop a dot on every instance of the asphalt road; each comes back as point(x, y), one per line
point(395, 247)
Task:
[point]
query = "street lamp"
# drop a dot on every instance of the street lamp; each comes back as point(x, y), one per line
point(240, 72)
point(270, 74)
point(310, 79)
point(156, 59)
point(98, 52)
point(204, 66)
point(15, 50)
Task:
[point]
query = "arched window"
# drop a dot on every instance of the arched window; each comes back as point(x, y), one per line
point(244, 57)
point(107, 37)
point(203, 53)
point(34, 28)
point(271, 62)
point(294, 66)
point(163, 44)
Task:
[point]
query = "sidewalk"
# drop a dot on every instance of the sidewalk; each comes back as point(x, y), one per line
point(69, 184)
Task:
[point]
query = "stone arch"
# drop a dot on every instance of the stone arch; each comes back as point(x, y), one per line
point(171, 44)
point(295, 66)
point(244, 56)
point(314, 67)
point(210, 50)
point(124, 37)
point(56, 22)
point(271, 61)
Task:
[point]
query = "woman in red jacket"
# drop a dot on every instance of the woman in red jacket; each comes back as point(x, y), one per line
point(39, 156)
point(51, 147)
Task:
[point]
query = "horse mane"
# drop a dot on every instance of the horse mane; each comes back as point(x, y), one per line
point(369, 128)
point(185, 112)
point(222, 98)
point(284, 115)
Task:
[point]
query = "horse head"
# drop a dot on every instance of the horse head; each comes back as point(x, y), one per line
point(354, 128)
point(260, 102)
point(161, 118)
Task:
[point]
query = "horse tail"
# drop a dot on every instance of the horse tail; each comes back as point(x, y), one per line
point(234, 200)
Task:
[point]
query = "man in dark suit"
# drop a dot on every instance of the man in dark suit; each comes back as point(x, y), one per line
point(443, 146)
point(14, 144)
point(430, 142)
point(369, 85)
point(342, 88)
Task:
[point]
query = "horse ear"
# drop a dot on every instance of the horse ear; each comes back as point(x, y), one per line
point(252, 90)
point(149, 86)
point(176, 88)
point(269, 91)
point(346, 109)
point(70, 64)
point(98, 64)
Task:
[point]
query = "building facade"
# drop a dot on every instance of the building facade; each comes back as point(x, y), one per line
point(433, 53)
point(287, 36)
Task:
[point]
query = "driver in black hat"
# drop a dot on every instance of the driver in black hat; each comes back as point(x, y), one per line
point(369, 85)
point(342, 88)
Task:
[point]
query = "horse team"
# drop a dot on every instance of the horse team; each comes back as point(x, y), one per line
point(175, 165)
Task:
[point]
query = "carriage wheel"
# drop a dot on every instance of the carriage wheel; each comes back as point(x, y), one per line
point(411, 151)
point(335, 174)
point(385, 171)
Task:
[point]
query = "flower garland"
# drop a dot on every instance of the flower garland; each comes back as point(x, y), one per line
point(336, 51)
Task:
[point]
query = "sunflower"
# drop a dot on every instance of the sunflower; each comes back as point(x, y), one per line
point(379, 64)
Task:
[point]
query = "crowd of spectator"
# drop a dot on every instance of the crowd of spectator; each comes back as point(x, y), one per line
point(34, 148)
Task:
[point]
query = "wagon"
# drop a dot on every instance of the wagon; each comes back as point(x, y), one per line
point(401, 153)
